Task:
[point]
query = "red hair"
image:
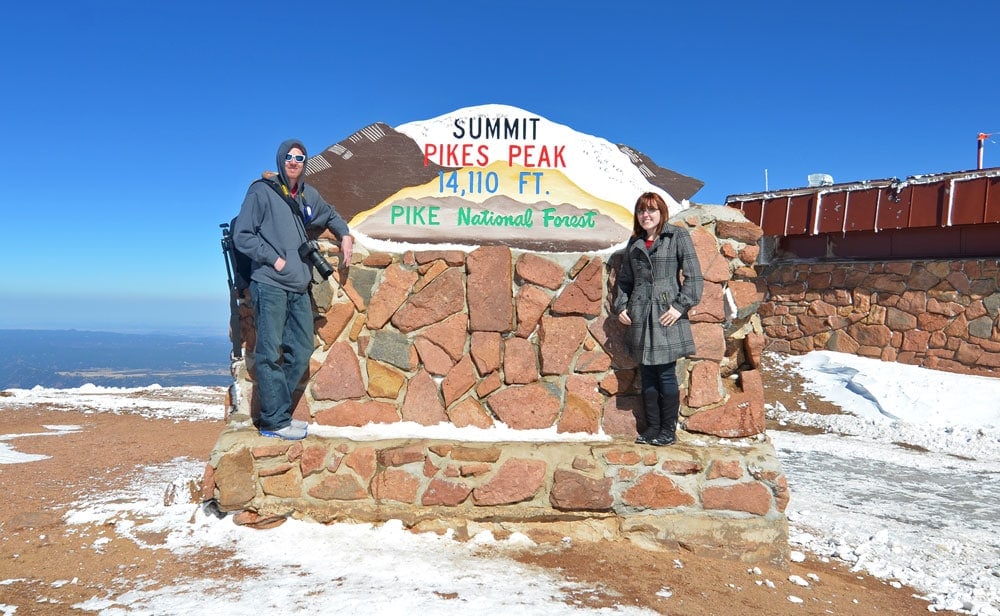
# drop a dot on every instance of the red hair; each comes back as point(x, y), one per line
point(649, 201)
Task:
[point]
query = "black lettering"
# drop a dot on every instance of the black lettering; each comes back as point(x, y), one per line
point(493, 128)
point(511, 128)
point(521, 129)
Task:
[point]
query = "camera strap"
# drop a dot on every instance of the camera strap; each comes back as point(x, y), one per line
point(292, 203)
point(294, 206)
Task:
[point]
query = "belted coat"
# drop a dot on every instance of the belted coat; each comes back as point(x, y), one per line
point(649, 283)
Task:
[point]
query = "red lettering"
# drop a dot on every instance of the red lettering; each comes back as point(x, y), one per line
point(543, 158)
point(429, 150)
point(527, 156)
point(451, 155)
point(560, 161)
point(550, 156)
point(457, 154)
point(513, 151)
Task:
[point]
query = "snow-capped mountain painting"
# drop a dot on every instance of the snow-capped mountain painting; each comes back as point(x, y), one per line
point(490, 174)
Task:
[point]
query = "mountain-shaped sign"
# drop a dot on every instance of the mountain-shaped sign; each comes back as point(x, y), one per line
point(491, 174)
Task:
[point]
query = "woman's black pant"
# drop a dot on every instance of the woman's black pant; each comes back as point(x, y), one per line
point(661, 398)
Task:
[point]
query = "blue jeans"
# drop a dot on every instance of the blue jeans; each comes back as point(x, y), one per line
point(284, 323)
point(661, 398)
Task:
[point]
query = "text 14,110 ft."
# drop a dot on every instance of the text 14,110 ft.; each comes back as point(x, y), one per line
point(479, 182)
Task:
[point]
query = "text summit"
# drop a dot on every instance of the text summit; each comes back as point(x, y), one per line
point(506, 129)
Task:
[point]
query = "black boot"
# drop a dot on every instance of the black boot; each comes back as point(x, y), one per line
point(668, 422)
point(651, 411)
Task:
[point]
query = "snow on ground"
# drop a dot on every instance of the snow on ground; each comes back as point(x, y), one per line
point(9, 455)
point(498, 433)
point(361, 568)
point(886, 402)
point(190, 403)
point(904, 486)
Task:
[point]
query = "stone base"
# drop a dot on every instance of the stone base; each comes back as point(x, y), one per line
point(719, 497)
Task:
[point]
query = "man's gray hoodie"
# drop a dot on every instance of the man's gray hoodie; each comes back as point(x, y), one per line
point(266, 228)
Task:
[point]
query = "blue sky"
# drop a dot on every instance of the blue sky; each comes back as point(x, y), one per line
point(132, 129)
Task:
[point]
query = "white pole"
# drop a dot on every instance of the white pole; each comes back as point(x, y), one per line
point(765, 180)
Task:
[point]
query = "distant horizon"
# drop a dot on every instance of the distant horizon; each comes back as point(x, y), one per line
point(193, 332)
point(73, 357)
point(117, 314)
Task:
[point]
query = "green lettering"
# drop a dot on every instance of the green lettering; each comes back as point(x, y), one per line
point(487, 218)
point(586, 220)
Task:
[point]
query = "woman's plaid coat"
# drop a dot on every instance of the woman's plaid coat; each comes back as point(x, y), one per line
point(649, 283)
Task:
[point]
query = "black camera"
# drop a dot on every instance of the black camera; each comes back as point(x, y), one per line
point(309, 253)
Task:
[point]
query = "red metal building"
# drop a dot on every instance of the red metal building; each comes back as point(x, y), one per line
point(942, 216)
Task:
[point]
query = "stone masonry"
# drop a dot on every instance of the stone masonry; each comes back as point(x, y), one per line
point(939, 314)
point(521, 339)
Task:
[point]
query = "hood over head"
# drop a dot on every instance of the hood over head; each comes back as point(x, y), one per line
point(286, 145)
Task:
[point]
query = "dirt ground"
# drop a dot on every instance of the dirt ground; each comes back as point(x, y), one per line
point(46, 566)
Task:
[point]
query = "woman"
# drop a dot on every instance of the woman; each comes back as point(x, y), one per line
point(658, 282)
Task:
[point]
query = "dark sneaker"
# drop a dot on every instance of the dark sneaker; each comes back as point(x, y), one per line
point(289, 433)
point(663, 440)
point(646, 437)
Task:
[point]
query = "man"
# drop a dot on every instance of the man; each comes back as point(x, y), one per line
point(270, 233)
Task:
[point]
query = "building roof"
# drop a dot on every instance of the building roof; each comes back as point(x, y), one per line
point(920, 201)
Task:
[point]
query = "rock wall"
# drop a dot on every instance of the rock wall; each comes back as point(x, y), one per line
point(723, 499)
point(524, 340)
point(942, 314)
